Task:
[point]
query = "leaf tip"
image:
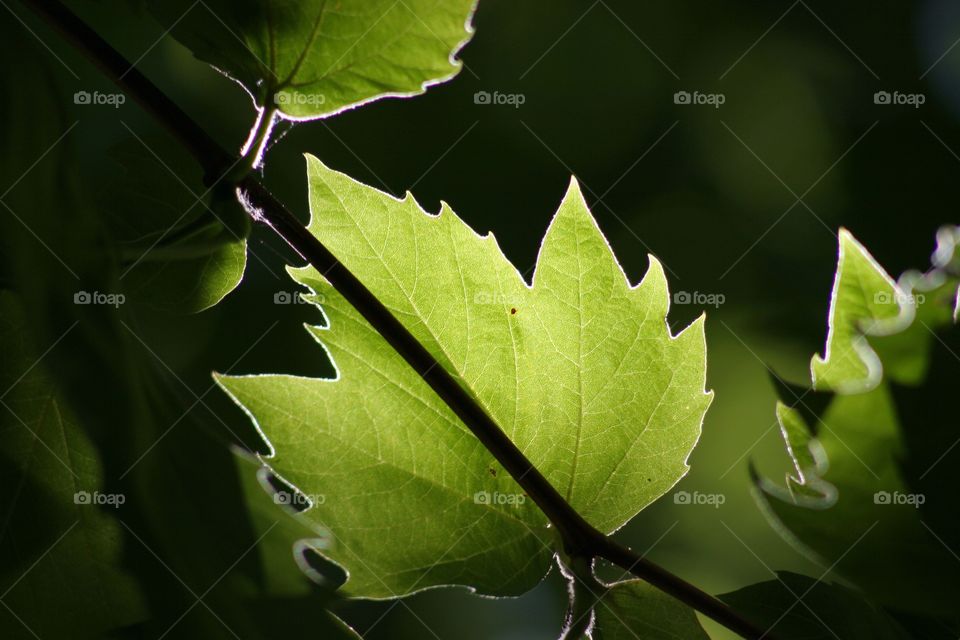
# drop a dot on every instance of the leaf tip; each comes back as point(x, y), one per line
point(656, 277)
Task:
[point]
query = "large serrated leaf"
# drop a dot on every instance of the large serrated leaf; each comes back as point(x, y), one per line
point(579, 369)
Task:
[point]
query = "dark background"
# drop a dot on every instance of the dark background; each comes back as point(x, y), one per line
point(712, 192)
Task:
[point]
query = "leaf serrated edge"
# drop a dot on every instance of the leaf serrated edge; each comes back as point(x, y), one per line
point(906, 311)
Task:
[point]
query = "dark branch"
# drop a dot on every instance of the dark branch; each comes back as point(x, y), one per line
point(579, 537)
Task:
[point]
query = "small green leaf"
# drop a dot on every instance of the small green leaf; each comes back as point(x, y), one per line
point(858, 517)
point(796, 607)
point(318, 57)
point(634, 609)
point(183, 248)
point(579, 369)
point(806, 486)
point(865, 300)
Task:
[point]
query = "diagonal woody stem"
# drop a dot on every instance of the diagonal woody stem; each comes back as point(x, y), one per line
point(580, 538)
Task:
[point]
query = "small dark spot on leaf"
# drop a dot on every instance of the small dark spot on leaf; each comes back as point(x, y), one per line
point(493, 472)
point(513, 310)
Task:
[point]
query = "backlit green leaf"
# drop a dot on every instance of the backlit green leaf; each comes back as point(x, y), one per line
point(865, 300)
point(579, 369)
point(318, 57)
